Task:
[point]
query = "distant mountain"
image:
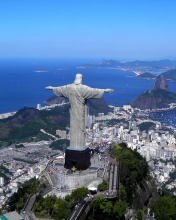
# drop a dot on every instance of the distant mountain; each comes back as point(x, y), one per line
point(154, 99)
point(103, 63)
point(161, 83)
point(156, 64)
point(95, 105)
point(98, 106)
point(133, 64)
point(171, 74)
point(147, 75)
point(55, 100)
point(158, 97)
point(26, 124)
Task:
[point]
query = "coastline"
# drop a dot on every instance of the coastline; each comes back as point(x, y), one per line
point(6, 115)
point(133, 71)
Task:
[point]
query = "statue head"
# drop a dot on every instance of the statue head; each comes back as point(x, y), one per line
point(78, 79)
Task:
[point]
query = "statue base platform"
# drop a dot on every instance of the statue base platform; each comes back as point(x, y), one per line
point(80, 159)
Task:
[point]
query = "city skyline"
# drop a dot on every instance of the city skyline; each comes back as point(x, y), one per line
point(125, 30)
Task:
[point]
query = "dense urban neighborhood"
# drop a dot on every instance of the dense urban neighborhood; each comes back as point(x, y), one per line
point(153, 140)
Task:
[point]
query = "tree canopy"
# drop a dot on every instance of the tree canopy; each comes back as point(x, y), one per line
point(60, 208)
point(60, 144)
point(133, 170)
point(164, 208)
point(103, 208)
point(52, 207)
point(18, 199)
point(103, 186)
point(145, 126)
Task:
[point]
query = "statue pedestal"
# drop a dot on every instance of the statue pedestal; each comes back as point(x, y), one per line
point(79, 159)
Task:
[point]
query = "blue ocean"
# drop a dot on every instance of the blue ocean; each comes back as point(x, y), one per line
point(23, 81)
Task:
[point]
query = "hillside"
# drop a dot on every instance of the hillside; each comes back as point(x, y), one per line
point(158, 97)
point(55, 100)
point(98, 106)
point(95, 105)
point(133, 64)
point(25, 125)
point(154, 99)
point(136, 187)
point(171, 74)
point(134, 172)
point(147, 75)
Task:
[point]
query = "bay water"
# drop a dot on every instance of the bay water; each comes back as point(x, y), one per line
point(21, 85)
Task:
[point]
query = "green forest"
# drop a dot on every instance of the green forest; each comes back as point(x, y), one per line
point(133, 170)
point(104, 209)
point(146, 126)
point(60, 144)
point(18, 199)
point(25, 125)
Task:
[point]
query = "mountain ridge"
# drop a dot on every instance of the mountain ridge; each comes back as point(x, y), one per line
point(95, 105)
point(158, 97)
point(26, 124)
point(154, 99)
point(137, 63)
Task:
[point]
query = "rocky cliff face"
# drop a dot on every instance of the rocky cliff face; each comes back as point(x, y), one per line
point(145, 194)
point(161, 83)
point(158, 97)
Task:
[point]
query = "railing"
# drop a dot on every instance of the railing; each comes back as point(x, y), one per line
point(78, 213)
point(28, 213)
point(26, 217)
point(46, 191)
point(104, 171)
point(34, 216)
point(82, 212)
point(27, 202)
point(48, 178)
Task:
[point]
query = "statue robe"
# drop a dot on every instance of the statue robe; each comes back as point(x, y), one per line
point(78, 95)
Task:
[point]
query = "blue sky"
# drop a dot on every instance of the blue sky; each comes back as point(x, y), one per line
point(111, 29)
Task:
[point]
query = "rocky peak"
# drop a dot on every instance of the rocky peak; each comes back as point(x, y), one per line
point(161, 83)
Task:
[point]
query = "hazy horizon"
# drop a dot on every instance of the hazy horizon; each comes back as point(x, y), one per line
point(84, 59)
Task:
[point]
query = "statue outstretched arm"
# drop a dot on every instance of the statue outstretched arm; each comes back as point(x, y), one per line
point(61, 91)
point(49, 87)
point(109, 90)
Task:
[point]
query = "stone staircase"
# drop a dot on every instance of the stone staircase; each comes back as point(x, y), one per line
point(28, 210)
point(113, 178)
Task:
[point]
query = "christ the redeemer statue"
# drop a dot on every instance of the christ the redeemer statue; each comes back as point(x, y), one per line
point(78, 95)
